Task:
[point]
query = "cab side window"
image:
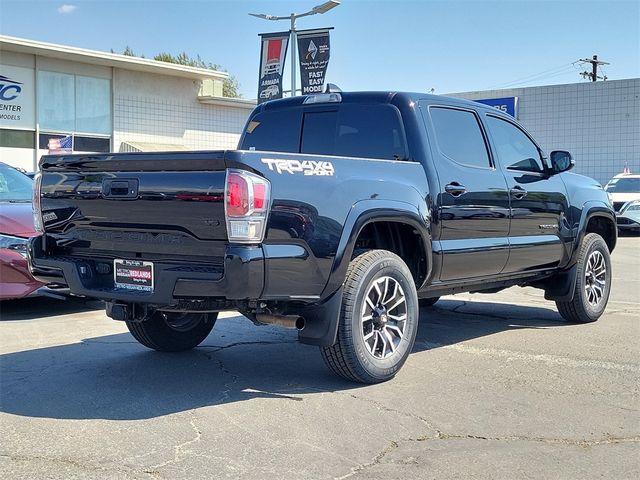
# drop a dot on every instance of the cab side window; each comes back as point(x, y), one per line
point(515, 149)
point(459, 136)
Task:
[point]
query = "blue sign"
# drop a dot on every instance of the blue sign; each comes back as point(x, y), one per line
point(9, 89)
point(506, 105)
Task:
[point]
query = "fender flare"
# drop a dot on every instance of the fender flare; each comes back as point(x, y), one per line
point(561, 287)
point(590, 210)
point(322, 319)
point(368, 211)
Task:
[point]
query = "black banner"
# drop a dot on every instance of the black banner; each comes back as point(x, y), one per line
point(313, 53)
point(272, 56)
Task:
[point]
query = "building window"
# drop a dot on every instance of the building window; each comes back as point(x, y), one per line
point(56, 101)
point(91, 144)
point(17, 138)
point(74, 103)
point(79, 143)
point(93, 105)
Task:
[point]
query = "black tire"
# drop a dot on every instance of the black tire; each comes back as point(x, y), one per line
point(586, 305)
point(428, 302)
point(355, 357)
point(173, 332)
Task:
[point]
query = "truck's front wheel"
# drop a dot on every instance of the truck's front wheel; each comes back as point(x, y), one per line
point(378, 319)
point(593, 282)
point(173, 331)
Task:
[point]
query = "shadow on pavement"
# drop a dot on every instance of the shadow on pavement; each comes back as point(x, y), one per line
point(112, 377)
point(42, 307)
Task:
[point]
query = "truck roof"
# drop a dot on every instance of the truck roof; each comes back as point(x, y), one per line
point(376, 97)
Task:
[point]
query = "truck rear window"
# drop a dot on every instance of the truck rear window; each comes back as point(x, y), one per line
point(352, 130)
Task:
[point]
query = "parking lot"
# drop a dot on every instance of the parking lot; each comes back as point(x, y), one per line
point(498, 386)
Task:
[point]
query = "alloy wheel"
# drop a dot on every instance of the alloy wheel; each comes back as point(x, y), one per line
point(595, 277)
point(384, 316)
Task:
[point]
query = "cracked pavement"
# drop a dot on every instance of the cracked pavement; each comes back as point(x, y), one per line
point(498, 386)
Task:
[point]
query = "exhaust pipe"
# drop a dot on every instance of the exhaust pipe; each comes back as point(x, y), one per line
point(287, 321)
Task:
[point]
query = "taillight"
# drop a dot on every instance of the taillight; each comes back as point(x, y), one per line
point(37, 212)
point(246, 206)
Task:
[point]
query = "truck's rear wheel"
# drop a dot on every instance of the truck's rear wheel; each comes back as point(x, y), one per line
point(173, 331)
point(378, 320)
point(593, 282)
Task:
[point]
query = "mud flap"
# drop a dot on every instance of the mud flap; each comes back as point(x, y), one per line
point(321, 321)
point(561, 286)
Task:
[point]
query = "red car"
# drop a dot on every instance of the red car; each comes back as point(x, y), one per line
point(16, 227)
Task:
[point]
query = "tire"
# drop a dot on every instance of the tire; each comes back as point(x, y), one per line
point(173, 332)
point(428, 302)
point(373, 344)
point(593, 282)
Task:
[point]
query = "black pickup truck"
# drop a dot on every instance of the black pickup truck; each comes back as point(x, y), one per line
point(339, 214)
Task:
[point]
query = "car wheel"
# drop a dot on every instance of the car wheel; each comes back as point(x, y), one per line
point(378, 319)
point(593, 282)
point(173, 331)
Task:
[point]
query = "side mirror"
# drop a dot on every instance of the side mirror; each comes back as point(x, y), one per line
point(561, 161)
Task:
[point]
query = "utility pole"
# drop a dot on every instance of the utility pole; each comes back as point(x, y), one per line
point(593, 75)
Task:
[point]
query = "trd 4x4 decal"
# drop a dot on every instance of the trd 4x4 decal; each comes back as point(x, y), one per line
point(307, 167)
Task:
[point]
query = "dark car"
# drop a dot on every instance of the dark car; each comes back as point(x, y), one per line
point(336, 215)
point(16, 227)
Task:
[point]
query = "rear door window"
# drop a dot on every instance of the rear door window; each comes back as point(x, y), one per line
point(459, 136)
point(370, 131)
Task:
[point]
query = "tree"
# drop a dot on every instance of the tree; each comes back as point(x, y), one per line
point(230, 86)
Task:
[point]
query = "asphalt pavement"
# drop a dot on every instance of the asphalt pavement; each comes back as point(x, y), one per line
point(498, 386)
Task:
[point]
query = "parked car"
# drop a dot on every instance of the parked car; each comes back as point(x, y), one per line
point(336, 214)
point(623, 188)
point(628, 217)
point(16, 227)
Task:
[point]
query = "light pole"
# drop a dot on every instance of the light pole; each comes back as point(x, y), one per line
point(324, 8)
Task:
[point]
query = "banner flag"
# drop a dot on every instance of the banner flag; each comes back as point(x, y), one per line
point(272, 56)
point(59, 145)
point(313, 54)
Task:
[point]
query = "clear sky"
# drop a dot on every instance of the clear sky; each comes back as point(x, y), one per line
point(450, 46)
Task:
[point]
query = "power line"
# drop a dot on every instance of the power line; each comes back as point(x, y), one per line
point(551, 71)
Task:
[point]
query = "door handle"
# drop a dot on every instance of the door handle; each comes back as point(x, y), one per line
point(518, 192)
point(455, 189)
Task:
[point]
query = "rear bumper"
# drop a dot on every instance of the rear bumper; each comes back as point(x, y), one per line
point(239, 276)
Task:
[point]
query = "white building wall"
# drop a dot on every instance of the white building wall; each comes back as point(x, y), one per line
point(24, 158)
point(165, 110)
point(598, 122)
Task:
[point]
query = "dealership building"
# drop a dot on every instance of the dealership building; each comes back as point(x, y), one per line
point(598, 122)
point(100, 102)
point(93, 101)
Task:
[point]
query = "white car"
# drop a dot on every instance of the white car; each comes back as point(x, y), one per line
point(628, 218)
point(270, 91)
point(623, 188)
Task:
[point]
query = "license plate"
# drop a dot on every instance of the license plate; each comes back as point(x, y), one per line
point(133, 274)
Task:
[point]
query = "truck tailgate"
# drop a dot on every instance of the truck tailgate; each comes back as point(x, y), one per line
point(159, 204)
